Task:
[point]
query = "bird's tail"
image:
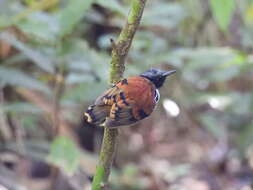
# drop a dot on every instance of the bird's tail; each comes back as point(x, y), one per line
point(96, 114)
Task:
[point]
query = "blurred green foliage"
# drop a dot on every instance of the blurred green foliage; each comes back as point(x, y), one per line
point(64, 154)
point(223, 12)
point(209, 43)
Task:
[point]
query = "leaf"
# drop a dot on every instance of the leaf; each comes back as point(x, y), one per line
point(36, 149)
point(20, 107)
point(82, 61)
point(222, 11)
point(40, 60)
point(40, 26)
point(210, 64)
point(20, 79)
point(64, 154)
point(30, 122)
point(169, 15)
point(52, 26)
point(76, 78)
point(114, 5)
point(83, 92)
point(8, 8)
point(69, 16)
point(249, 13)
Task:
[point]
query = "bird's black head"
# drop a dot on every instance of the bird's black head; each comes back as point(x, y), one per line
point(157, 76)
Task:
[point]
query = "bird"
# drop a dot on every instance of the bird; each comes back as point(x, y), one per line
point(128, 101)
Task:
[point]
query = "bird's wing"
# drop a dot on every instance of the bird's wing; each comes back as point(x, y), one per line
point(101, 109)
point(121, 114)
point(109, 97)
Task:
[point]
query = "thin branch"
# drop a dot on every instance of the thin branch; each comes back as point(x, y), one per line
point(122, 46)
point(59, 85)
point(119, 52)
point(5, 131)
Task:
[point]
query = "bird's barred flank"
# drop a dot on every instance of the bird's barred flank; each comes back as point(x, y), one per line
point(142, 114)
point(124, 82)
point(123, 98)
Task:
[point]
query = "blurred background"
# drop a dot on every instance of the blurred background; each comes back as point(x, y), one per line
point(54, 61)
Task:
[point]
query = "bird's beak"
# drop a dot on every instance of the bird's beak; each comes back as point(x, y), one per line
point(167, 73)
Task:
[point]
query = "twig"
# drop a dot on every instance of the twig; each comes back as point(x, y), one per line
point(119, 52)
point(5, 131)
point(121, 47)
point(59, 85)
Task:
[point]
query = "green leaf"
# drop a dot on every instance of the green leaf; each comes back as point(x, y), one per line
point(210, 64)
point(8, 8)
point(249, 13)
point(163, 14)
point(40, 26)
point(83, 62)
point(20, 107)
point(52, 26)
point(18, 78)
point(40, 60)
point(222, 11)
point(30, 123)
point(83, 92)
point(64, 154)
point(72, 14)
point(113, 5)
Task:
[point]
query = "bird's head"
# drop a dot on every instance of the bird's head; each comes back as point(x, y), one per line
point(157, 76)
